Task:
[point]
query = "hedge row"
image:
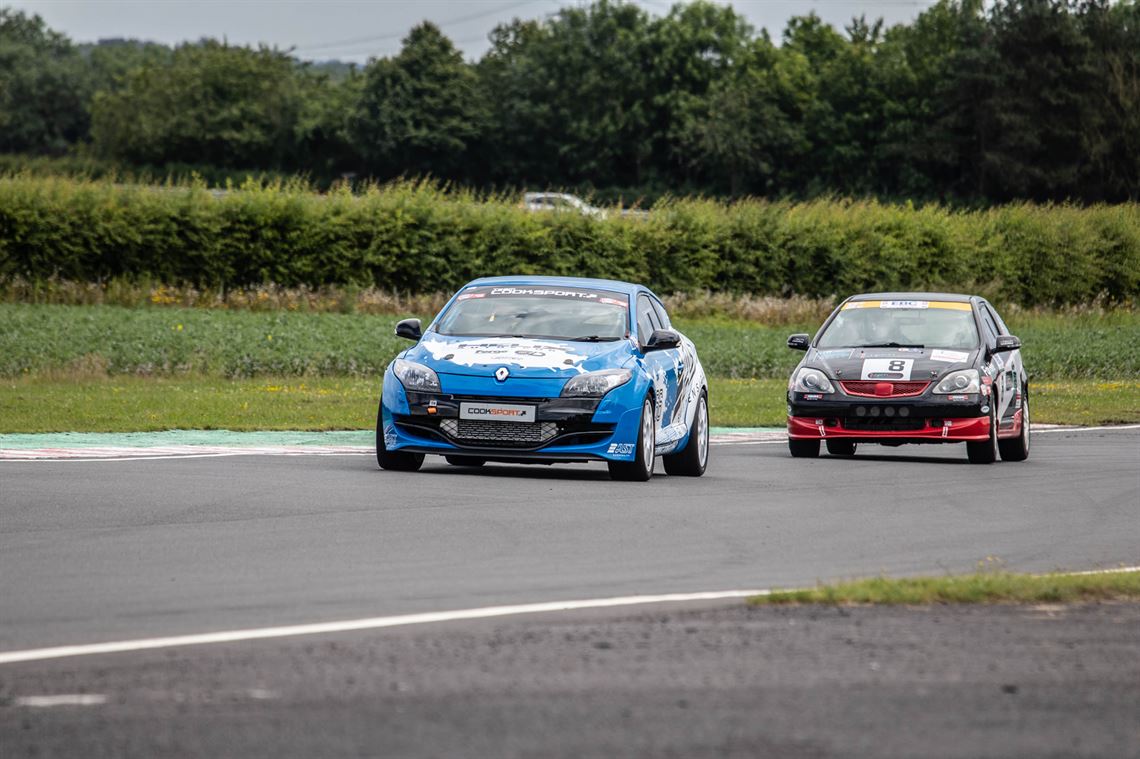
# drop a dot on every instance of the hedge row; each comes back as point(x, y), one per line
point(416, 237)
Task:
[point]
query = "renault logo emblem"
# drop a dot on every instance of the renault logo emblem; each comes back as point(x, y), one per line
point(502, 373)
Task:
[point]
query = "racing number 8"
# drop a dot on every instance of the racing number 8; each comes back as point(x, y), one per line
point(896, 366)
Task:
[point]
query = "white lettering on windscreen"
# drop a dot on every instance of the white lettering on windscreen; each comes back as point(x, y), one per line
point(543, 292)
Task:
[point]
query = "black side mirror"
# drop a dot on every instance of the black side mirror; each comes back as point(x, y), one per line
point(662, 339)
point(799, 342)
point(1006, 343)
point(409, 328)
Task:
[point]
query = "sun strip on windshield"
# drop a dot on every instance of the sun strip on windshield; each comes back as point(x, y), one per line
point(913, 304)
point(566, 293)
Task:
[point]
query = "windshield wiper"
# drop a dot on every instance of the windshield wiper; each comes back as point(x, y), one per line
point(593, 339)
point(892, 345)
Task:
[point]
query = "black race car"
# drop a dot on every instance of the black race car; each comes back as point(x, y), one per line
point(894, 368)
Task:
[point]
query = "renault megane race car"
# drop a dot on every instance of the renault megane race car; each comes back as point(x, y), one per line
point(894, 368)
point(544, 370)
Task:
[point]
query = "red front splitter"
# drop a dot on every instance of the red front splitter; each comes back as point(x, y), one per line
point(951, 430)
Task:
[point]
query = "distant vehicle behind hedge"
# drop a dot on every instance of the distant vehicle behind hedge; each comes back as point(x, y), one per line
point(560, 201)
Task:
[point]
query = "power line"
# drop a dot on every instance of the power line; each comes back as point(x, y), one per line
point(395, 36)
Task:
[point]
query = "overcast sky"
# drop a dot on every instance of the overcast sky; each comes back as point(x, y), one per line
point(358, 30)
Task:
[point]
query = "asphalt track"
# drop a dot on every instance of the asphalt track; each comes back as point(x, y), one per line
point(122, 550)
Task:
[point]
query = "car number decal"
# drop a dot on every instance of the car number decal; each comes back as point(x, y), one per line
point(887, 368)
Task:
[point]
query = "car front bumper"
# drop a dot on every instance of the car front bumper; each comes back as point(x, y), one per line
point(564, 429)
point(918, 419)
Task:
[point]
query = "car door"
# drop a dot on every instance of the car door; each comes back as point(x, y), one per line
point(996, 363)
point(685, 365)
point(1012, 369)
point(661, 365)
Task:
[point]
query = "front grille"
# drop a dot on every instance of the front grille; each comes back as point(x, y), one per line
point(499, 433)
point(894, 424)
point(884, 389)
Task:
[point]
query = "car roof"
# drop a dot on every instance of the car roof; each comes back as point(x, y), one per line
point(530, 195)
point(599, 284)
point(952, 297)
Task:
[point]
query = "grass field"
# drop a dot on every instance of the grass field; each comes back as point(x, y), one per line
point(68, 340)
point(980, 587)
point(129, 404)
point(111, 368)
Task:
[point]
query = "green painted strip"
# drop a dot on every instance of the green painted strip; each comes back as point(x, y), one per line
point(184, 437)
point(224, 437)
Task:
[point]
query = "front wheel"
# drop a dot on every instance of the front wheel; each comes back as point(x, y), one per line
point(803, 449)
point(1017, 449)
point(395, 461)
point(641, 468)
point(692, 460)
point(985, 451)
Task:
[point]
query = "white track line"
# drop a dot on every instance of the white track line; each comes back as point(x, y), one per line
point(172, 456)
point(369, 623)
point(79, 455)
point(1107, 428)
point(63, 699)
point(403, 620)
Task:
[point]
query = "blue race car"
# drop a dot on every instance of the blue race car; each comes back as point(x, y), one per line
point(546, 370)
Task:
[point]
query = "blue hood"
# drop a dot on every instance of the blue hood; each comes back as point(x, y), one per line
point(525, 357)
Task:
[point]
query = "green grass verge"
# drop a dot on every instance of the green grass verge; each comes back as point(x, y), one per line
point(142, 404)
point(39, 339)
point(138, 404)
point(985, 587)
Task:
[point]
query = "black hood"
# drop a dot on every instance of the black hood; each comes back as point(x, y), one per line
point(900, 364)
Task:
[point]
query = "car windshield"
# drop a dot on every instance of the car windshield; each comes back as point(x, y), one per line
point(561, 313)
point(902, 324)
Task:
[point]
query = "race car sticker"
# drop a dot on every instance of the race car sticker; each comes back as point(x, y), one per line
point(660, 389)
point(952, 357)
point(887, 368)
point(888, 352)
point(950, 305)
point(529, 354)
point(620, 449)
point(608, 297)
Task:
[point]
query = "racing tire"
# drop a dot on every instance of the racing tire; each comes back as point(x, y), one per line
point(841, 447)
point(693, 459)
point(641, 468)
point(803, 449)
point(394, 461)
point(1017, 449)
point(465, 460)
point(985, 451)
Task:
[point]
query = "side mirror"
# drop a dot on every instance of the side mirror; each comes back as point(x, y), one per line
point(409, 328)
point(1006, 343)
point(799, 342)
point(662, 339)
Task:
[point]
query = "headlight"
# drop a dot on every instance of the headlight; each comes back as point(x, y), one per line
point(415, 376)
point(964, 381)
point(596, 384)
point(810, 381)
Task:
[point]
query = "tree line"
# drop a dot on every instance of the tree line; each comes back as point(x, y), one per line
point(970, 103)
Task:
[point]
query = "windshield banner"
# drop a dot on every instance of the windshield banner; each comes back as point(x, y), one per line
point(950, 305)
point(525, 291)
